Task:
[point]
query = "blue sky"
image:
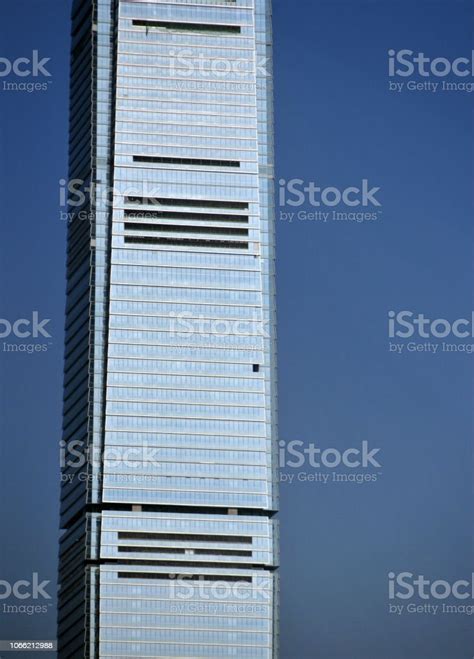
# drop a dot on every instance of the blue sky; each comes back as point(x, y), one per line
point(337, 124)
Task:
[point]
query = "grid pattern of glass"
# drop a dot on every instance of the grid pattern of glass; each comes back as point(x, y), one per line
point(191, 296)
point(170, 548)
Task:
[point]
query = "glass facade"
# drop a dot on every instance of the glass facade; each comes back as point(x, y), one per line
point(170, 546)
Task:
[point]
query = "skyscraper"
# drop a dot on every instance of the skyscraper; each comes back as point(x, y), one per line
point(169, 448)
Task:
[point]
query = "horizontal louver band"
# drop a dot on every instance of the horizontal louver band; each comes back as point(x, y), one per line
point(191, 203)
point(187, 27)
point(197, 162)
point(177, 228)
point(152, 240)
point(174, 550)
point(189, 577)
point(237, 539)
point(170, 215)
